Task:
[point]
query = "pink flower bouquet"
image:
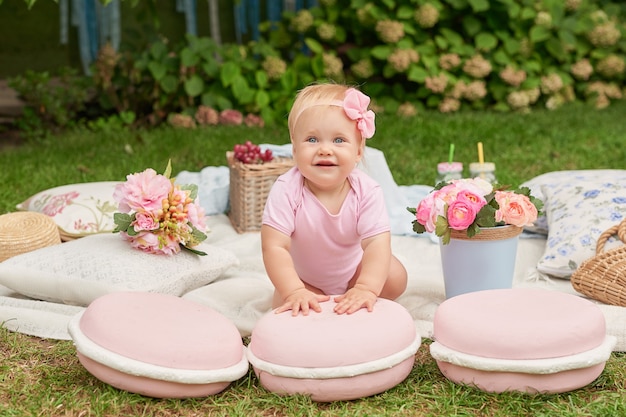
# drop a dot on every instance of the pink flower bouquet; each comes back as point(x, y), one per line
point(471, 203)
point(158, 216)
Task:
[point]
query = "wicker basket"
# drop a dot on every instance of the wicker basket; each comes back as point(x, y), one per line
point(603, 277)
point(249, 186)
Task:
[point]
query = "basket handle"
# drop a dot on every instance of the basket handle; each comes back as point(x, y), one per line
point(618, 229)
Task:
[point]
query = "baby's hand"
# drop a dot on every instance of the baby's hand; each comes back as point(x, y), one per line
point(354, 299)
point(302, 300)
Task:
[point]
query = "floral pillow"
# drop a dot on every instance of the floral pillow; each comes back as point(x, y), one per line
point(77, 209)
point(79, 271)
point(578, 212)
point(556, 178)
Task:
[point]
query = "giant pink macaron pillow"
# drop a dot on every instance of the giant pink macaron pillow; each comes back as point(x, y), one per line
point(527, 340)
point(333, 357)
point(158, 345)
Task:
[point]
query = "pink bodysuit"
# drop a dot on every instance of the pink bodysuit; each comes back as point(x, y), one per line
point(326, 248)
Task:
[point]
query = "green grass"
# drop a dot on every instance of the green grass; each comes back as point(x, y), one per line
point(44, 378)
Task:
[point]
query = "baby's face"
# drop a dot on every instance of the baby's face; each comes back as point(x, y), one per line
point(326, 145)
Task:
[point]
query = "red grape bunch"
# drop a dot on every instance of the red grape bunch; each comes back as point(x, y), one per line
point(249, 153)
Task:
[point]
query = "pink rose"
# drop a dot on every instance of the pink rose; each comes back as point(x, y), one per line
point(153, 243)
point(423, 213)
point(195, 214)
point(461, 214)
point(144, 221)
point(144, 191)
point(470, 196)
point(515, 209)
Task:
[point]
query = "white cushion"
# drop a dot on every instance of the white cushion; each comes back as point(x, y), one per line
point(578, 212)
point(79, 271)
point(77, 209)
point(557, 178)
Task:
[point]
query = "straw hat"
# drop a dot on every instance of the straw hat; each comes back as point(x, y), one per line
point(22, 232)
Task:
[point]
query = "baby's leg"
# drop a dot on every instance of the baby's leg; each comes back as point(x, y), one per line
point(396, 281)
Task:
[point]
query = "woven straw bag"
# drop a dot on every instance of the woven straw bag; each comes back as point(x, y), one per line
point(603, 277)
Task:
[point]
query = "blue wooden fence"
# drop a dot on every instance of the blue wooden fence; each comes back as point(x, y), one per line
point(97, 24)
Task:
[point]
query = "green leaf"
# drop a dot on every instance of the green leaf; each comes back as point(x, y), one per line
point(567, 37)
point(555, 48)
point(417, 74)
point(453, 37)
point(194, 251)
point(192, 188)
point(262, 99)
point(479, 5)
point(405, 12)
point(486, 216)
point(471, 25)
point(241, 90)
point(528, 13)
point(512, 46)
point(122, 222)
point(485, 41)
point(539, 34)
point(168, 169)
point(314, 45)
point(501, 57)
point(458, 4)
point(441, 224)
point(229, 72)
point(211, 68)
point(169, 83)
point(158, 50)
point(381, 52)
point(157, 70)
point(261, 79)
point(194, 86)
point(188, 58)
point(442, 43)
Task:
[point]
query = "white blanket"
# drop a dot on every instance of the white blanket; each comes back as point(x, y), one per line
point(244, 292)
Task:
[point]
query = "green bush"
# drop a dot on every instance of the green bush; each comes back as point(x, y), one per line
point(452, 54)
point(409, 55)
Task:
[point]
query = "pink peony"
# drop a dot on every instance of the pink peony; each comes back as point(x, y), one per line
point(515, 209)
point(144, 191)
point(160, 216)
point(144, 221)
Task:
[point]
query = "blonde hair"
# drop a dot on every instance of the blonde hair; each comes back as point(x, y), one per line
point(315, 95)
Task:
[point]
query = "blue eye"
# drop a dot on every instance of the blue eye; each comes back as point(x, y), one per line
point(311, 139)
point(338, 140)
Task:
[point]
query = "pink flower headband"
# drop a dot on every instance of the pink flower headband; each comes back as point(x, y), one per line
point(355, 106)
